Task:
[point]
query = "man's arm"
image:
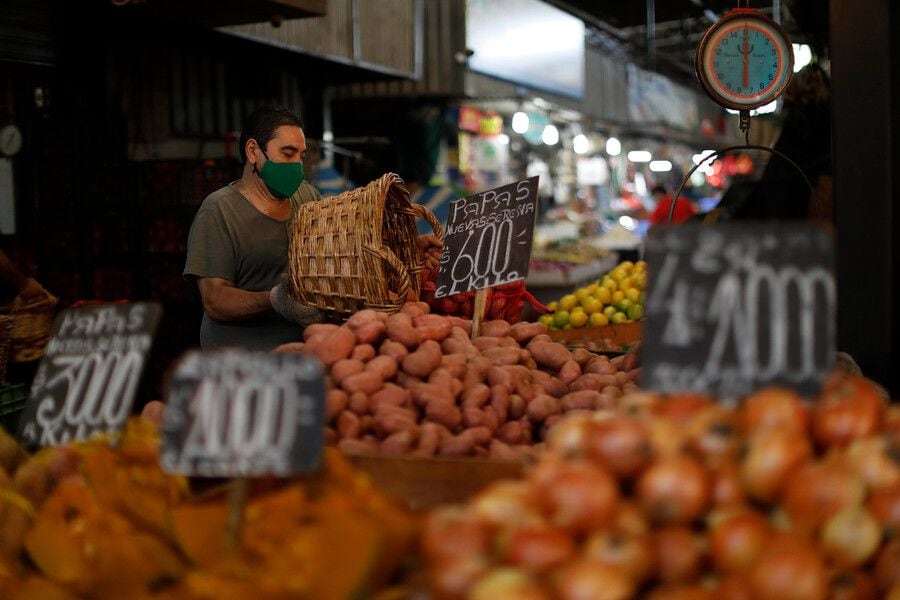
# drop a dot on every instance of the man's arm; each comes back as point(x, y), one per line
point(222, 301)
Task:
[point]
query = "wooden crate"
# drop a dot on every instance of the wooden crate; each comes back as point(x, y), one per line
point(423, 483)
point(607, 338)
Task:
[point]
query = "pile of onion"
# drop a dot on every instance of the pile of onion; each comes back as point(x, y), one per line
point(679, 497)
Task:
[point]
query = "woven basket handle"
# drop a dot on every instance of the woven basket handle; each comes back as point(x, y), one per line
point(421, 212)
point(18, 304)
point(393, 262)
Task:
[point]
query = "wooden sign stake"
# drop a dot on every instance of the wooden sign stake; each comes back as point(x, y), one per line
point(237, 499)
point(478, 316)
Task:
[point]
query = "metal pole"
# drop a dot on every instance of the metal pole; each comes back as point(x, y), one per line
point(651, 34)
point(776, 11)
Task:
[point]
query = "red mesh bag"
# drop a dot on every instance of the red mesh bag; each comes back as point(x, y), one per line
point(505, 301)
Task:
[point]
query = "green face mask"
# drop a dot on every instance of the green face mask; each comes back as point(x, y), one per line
point(282, 178)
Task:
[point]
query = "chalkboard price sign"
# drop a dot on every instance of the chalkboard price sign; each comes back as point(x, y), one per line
point(233, 413)
point(488, 238)
point(732, 308)
point(89, 374)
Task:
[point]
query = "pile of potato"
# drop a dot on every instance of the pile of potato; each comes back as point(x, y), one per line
point(415, 383)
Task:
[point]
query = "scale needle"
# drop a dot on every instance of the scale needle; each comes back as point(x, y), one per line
point(746, 50)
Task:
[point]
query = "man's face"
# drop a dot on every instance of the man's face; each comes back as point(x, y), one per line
point(288, 145)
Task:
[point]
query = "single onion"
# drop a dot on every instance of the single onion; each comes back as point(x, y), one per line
point(539, 548)
point(633, 554)
point(449, 532)
point(774, 408)
point(620, 444)
point(850, 410)
point(737, 540)
point(772, 458)
point(587, 580)
point(508, 584)
point(582, 496)
point(876, 459)
point(673, 490)
point(789, 568)
point(818, 491)
point(851, 537)
point(679, 554)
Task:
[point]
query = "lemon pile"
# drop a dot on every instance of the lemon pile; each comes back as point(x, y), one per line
point(617, 297)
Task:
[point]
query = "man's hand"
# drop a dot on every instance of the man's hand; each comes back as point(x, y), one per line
point(288, 307)
point(430, 248)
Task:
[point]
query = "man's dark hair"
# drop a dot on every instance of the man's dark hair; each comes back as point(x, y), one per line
point(659, 189)
point(262, 123)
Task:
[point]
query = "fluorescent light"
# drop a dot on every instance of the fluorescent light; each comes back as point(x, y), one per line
point(613, 147)
point(640, 156)
point(802, 56)
point(660, 166)
point(520, 122)
point(699, 158)
point(581, 144)
point(627, 222)
point(550, 135)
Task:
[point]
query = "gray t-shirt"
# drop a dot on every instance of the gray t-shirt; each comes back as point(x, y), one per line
point(230, 238)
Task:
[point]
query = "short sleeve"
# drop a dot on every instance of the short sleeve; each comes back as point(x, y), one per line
point(210, 249)
point(306, 193)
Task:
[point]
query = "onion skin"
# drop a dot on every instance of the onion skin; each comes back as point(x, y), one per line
point(451, 533)
point(884, 504)
point(633, 554)
point(674, 490)
point(820, 490)
point(737, 541)
point(679, 554)
point(620, 444)
point(789, 568)
point(851, 537)
point(774, 408)
point(850, 410)
point(581, 497)
point(539, 548)
point(771, 460)
point(587, 580)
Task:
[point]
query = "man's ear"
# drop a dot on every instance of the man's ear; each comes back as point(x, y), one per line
point(250, 150)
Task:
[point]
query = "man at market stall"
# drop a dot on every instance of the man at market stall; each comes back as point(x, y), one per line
point(238, 242)
point(237, 248)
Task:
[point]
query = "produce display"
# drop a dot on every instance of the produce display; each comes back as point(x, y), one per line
point(566, 253)
point(415, 383)
point(505, 301)
point(681, 497)
point(617, 297)
point(94, 521)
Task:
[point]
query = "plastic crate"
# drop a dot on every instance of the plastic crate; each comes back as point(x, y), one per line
point(13, 397)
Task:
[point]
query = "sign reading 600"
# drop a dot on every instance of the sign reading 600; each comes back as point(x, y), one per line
point(488, 238)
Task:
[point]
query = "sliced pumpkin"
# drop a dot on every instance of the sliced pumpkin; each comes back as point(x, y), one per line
point(199, 531)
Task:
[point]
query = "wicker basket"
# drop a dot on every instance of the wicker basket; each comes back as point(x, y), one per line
point(6, 326)
point(358, 249)
point(32, 323)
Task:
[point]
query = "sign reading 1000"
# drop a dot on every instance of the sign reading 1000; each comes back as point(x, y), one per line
point(488, 238)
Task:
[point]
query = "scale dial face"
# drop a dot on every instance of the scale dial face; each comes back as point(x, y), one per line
point(744, 60)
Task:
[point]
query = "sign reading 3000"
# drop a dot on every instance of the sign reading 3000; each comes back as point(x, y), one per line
point(488, 238)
